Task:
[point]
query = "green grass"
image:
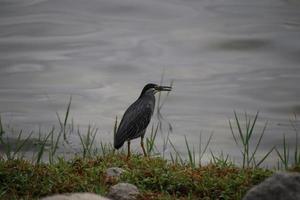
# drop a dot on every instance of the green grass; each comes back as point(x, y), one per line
point(285, 159)
point(155, 177)
point(244, 137)
point(158, 176)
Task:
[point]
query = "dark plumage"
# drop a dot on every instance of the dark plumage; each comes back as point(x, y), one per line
point(137, 117)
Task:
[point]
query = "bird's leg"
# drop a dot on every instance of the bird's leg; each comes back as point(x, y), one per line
point(128, 148)
point(142, 145)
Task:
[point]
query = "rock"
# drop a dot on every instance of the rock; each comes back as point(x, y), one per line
point(113, 175)
point(115, 172)
point(123, 191)
point(75, 196)
point(281, 186)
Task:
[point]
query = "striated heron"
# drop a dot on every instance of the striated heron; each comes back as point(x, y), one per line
point(137, 117)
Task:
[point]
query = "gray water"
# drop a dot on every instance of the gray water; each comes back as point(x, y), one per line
point(222, 56)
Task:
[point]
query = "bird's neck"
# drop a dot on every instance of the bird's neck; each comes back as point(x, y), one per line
point(147, 93)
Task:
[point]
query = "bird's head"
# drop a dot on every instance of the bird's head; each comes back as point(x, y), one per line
point(154, 88)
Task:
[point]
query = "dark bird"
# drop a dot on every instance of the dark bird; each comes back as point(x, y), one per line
point(137, 117)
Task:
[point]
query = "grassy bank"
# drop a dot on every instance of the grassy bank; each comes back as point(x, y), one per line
point(155, 177)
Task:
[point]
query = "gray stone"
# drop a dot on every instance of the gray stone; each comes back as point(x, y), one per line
point(114, 172)
point(123, 191)
point(75, 196)
point(281, 186)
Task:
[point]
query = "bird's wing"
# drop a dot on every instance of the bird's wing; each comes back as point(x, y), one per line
point(135, 119)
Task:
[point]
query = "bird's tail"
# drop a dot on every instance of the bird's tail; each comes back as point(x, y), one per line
point(118, 141)
point(118, 144)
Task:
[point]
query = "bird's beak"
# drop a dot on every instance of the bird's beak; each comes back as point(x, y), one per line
point(163, 88)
